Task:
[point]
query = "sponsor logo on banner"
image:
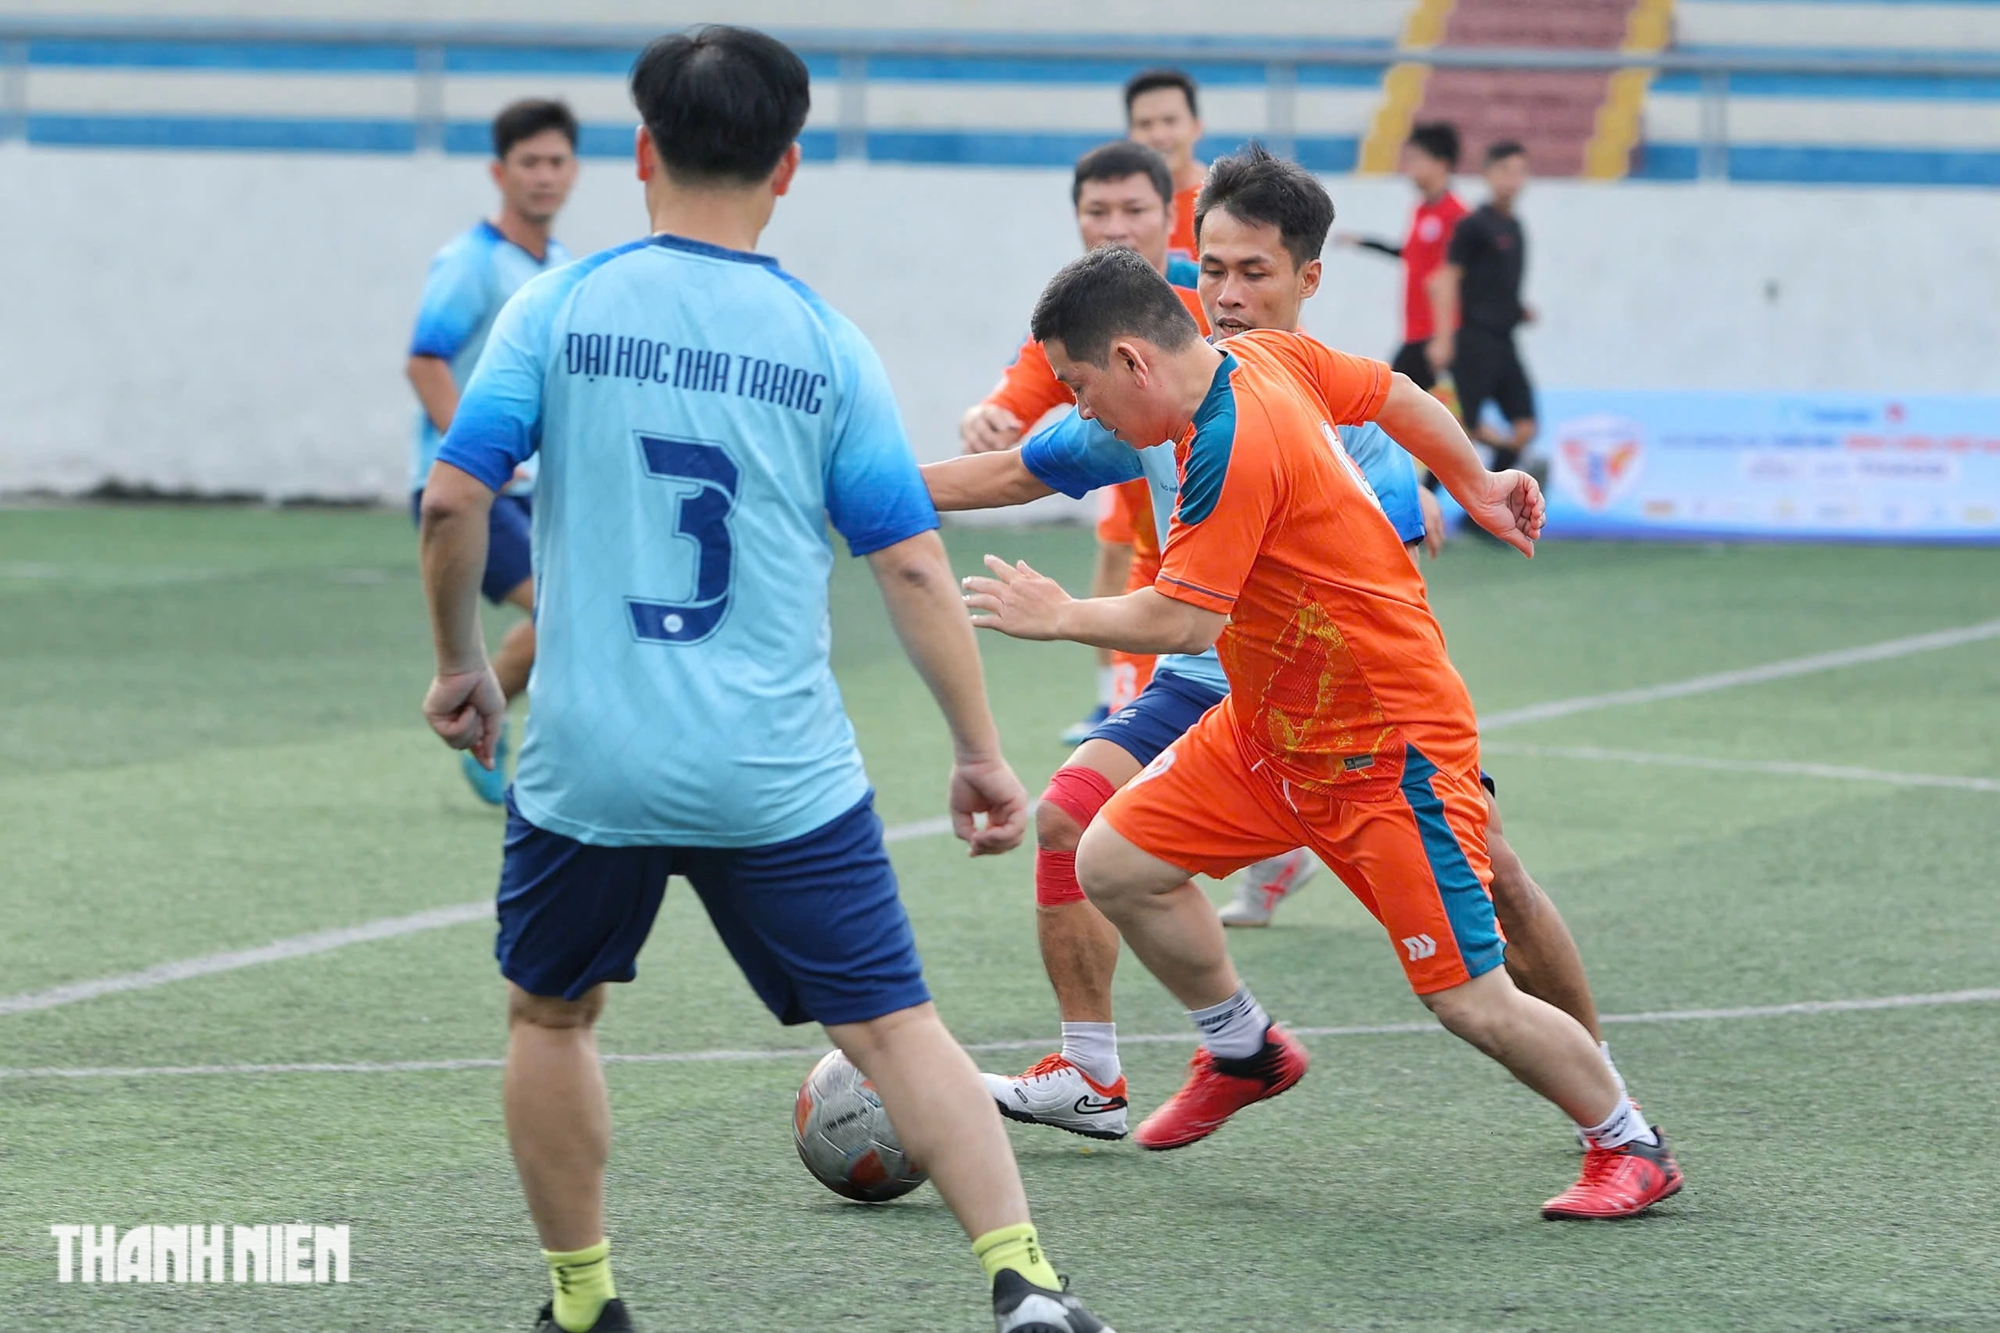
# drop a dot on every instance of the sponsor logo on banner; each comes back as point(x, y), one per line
point(1599, 458)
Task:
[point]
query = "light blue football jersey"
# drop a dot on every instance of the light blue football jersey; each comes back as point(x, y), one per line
point(1076, 457)
point(700, 415)
point(469, 281)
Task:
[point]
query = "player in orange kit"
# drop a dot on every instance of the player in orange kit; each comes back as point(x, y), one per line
point(1123, 193)
point(1161, 112)
point(1346, 728)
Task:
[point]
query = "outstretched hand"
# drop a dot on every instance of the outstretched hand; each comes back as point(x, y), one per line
point(988, 787)
point(1017, 601)
point(466, 708)
point(1510, 507)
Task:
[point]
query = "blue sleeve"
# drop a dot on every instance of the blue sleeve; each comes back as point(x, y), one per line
point(875, 496)
point(1182, 271)
point(455, 301)
point(1076, 457)
point(499, 421)
point(1392, 475)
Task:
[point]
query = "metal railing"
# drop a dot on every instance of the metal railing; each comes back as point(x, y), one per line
point(848, 53)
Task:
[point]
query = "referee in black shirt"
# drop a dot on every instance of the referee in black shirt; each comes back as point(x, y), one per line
point(1480, 284)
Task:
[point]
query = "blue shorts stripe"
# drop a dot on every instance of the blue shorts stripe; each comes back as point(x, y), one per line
point(1466, 903)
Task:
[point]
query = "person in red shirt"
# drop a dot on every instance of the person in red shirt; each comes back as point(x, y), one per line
point(1346, 728)
point(1161, 112)
point(1429, 158)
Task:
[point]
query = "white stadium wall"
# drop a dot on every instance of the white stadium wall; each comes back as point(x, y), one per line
point(236, 322)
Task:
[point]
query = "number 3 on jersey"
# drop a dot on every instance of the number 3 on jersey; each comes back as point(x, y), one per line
point(703, 519)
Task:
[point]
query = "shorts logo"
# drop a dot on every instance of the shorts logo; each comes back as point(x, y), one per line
point(1160, 765)
point(1420, 947)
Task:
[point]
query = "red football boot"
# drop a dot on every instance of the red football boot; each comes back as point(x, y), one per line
point(1218, 1089)
point(1619, 1182)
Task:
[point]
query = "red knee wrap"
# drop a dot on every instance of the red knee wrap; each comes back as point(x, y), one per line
point(1080, 793)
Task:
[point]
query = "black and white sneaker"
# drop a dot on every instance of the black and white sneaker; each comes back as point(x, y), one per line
point(613, 1318)
point(1019, 1306)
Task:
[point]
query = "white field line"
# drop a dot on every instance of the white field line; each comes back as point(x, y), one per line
point(319, 941)
point(1797, 1009)
point(1757, 675)
point(301, 946)
point(1781, 767)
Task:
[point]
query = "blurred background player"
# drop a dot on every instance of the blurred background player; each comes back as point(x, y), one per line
point(1162, 112)
point(1429, 158)
point(1123, 194)
point(1478, 292)
point(534, 166)
point(1346, 727)
point(701, 417)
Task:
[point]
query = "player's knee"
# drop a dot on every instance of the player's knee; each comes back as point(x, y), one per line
point(1474, 1010)
point(553, 1011)
point(1056, 829)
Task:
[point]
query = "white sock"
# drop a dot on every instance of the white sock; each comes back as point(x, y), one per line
point(1605, 1048)
point(1624, 1125)
point(1234, 1029)
point(1093, 1048)
point(1105, 677)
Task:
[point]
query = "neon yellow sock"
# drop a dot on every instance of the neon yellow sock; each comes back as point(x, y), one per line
point(1019, 1248)
point(582, 1280)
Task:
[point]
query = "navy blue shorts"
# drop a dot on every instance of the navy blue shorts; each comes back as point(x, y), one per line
point(508, 562)
point(814, 923)
point(1161, 715)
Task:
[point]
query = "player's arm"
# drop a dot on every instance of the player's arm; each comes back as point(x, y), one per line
point(1028, 390)
point(1375, 243)
point(983, 481)
point(431, 377)
point(1442, 288)
point(922, 598)
point(1024, 604)
point(1507, 504)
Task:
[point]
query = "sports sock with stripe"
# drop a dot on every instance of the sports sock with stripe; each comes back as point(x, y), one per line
point(1234, 1029)
point(582, 1280)
point(1019, 1248)
point(1624, 1125)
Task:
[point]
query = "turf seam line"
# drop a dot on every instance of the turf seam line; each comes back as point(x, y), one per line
point(1723, 680)
point(302, 946)
point(1780, 767)
point(1798, 1008)
point(319, 941)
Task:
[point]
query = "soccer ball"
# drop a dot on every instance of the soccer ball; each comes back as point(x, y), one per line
point(844, 1136)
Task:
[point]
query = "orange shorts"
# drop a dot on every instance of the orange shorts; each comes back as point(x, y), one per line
point(1407, 838)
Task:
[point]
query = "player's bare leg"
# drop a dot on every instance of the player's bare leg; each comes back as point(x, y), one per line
point(942, 1113)
point(1243, 1057)
point(558, 1114)
point(1080, 1088)
point(516, 654)
point(1542, 956)
point(1538, 1043)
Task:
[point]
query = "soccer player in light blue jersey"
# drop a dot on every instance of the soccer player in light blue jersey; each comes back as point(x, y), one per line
point(1263, 223)
point(534, 166)
point(701, 417)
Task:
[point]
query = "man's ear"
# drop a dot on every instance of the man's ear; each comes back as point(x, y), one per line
point(498, 171)
point(788, 167)
point(1133, 358)
point(1309, 277)
point(644, 160)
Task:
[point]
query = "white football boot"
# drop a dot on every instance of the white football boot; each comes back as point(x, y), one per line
point(1267, 884)
point(1055, 1092)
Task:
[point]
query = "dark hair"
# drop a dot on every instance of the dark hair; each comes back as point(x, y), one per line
point(1439, 138)
point(1152, 80)
point(527, 118)
point(1119, 159)
point(1257, 187)
point(1110, 292)
point(722, 104)
point(1502, 149)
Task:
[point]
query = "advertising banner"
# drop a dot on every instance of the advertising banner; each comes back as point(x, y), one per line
point(1820, 467)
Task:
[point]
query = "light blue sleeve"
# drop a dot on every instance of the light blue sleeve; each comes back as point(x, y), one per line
point(875, 496)
point(499, 421)
point(1076, 457)
point(455, 301)
point(1391, 473)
